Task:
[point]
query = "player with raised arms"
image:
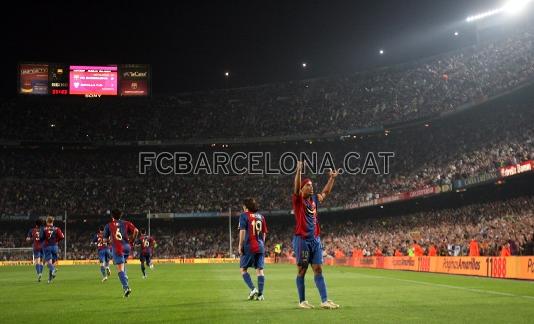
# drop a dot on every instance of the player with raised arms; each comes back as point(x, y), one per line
point(117, 232)
point(252, 233)
point(306, 242)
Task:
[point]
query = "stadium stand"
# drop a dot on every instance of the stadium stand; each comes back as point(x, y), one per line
point(70, 155)
point(421, 89)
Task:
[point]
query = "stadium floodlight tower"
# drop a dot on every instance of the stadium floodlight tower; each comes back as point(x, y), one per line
point(511, 8)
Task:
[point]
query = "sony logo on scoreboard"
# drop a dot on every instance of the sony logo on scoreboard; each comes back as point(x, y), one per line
point(135, 74)
point(92, 95)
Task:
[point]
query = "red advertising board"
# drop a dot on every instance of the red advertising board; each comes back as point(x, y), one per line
point(516, 169)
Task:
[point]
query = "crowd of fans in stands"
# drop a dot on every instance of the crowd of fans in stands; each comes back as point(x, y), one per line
point(336, 104)
point(495, 226)
point(492, 225)
point(90, 181)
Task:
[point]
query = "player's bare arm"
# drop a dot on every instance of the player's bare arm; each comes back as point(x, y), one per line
point(135, 233)
point(328, 187)
point(298, 171)
point(241, 240)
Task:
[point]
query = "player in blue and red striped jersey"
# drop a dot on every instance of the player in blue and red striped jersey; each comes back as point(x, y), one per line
point(117, 232)
point(34, 237)
point(147, 244)
point(252, 233)
point(50, 236)
point(306, 242)
point(104, 254)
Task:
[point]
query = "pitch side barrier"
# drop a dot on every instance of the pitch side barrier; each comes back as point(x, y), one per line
point(131, 261)
point(136, 261)
point(513, 267)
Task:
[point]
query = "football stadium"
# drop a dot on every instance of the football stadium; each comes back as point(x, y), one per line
point(268, 162)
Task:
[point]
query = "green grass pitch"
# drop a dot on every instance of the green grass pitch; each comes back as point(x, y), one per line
point(217, 294)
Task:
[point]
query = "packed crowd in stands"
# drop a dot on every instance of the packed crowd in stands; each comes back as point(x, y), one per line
point(377, 97)
point(492, 225)
point(89, 181)
point(496, 225)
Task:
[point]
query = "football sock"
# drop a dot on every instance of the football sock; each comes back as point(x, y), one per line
point(319, 282)
point(248, 281)
point(123, 279)
point(261, 282)
point(300, 288)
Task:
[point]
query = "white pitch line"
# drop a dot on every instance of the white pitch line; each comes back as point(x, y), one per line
point(491, 292)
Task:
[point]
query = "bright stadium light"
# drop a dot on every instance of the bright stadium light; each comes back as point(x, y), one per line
point(484, 15)
point(226, 74)
point(304, 65)
point(511, 7)
point(515, 6)
point(381, 52)
point(456, 33)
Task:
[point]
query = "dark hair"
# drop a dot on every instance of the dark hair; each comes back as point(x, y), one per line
point(143, 231)
point(101, 228)
point(117, 214)
point(38, 222)
point(251, 204)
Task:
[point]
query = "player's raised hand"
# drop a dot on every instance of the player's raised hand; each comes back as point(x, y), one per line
point(333, 173)
point(300, 165)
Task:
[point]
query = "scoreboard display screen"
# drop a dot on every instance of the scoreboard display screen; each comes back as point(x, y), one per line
point(33, 79)
point(135, 80)
point(58, 76)
point(93, 80)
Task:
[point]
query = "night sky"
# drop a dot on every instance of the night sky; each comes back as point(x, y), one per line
point(191, 44)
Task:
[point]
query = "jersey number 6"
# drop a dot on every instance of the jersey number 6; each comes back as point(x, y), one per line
point(118, 235)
